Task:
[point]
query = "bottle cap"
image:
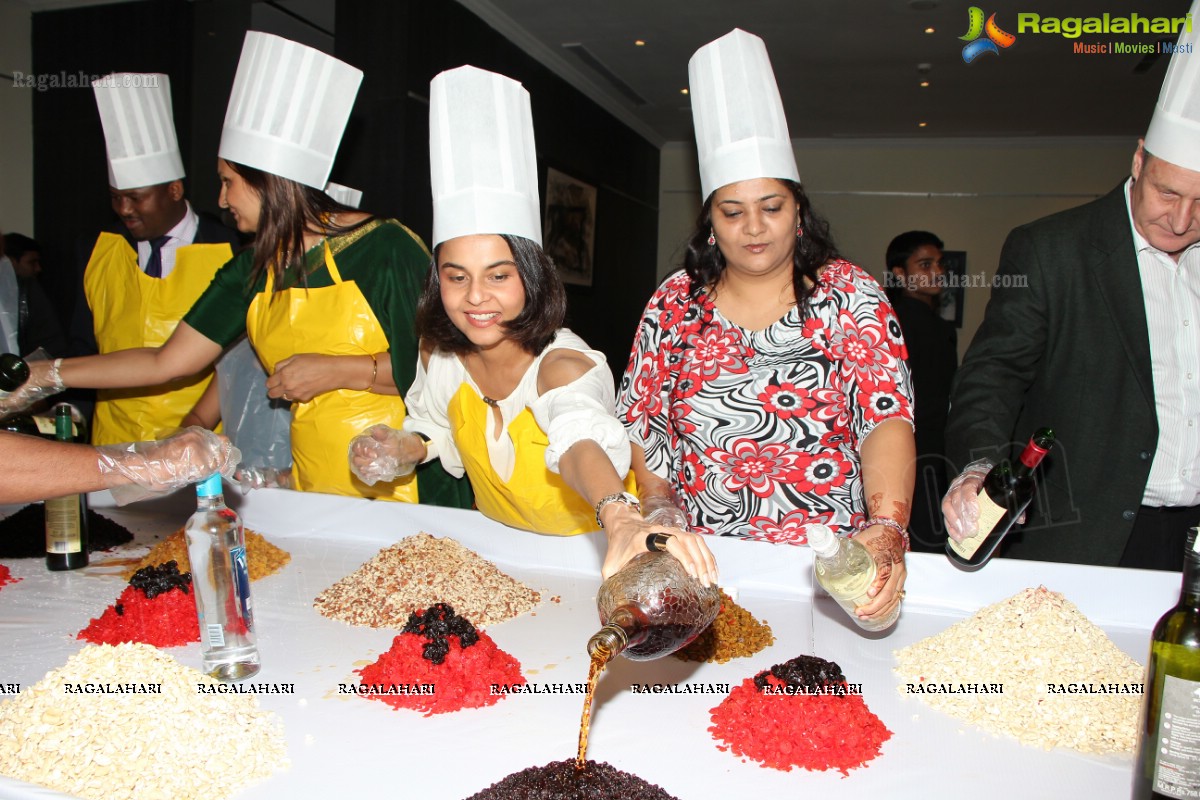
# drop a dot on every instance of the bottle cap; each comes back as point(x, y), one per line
point(821, 539)
point(210, 486)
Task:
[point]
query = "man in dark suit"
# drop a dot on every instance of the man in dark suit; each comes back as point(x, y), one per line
point(139, 283)
point(1089, 330)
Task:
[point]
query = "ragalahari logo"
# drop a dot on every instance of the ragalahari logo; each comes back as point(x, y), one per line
point(996, 38)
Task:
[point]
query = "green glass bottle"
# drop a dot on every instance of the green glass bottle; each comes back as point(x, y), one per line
point(1169, 736)
point(66, 517)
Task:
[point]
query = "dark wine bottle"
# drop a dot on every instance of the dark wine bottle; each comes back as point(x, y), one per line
point(66, 517)
point(1006, 493)
point(1169, 734)
point(13, 373)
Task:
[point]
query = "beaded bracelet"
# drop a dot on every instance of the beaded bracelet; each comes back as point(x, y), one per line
point(886, 522)
point(374, 372)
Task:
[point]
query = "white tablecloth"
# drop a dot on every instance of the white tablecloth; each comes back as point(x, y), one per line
point(345, 746)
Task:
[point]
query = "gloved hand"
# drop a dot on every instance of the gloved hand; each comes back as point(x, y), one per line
point(138, 470)
point(44, 381)
point(960, 506)
point(249, 478)
point(382, 453)
point(658, 509)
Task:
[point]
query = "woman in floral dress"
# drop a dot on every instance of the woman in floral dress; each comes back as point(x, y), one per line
point(767, 389)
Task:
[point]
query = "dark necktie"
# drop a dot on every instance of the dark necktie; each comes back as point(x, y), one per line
point(154, 264)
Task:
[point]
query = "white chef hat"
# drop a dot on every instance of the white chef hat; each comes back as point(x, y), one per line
point(1174, 133)
point(344, 194)
point(741, 132)
point(482, 160)
point(288, 109)
point(139, 129)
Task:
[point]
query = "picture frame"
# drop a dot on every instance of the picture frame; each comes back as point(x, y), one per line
point(569, 229)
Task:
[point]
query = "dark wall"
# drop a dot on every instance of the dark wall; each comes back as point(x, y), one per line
point(400, 45)
point(401, 48)
point(70, 173)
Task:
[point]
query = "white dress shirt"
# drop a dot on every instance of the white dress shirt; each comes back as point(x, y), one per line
point(182, 234)
point(1171, 291)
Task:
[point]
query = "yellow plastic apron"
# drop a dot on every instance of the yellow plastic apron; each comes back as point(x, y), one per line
point(534, 498)
point(131, 309)
point(333, 320)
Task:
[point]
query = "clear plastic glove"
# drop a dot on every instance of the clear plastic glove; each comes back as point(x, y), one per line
point(960, 506)
point(138, 470)
point(44, 381)
point(382, 453)
point(660, 509)
point(249, 478)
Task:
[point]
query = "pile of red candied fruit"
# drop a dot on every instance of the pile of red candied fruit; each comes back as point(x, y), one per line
point(799, 714)
point(156, 608)
point(440, 649)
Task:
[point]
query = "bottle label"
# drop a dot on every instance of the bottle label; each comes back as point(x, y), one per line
point(1177, 744)
point(989, 515)
point(216, 635)
point(63, 525)
point(241, 577)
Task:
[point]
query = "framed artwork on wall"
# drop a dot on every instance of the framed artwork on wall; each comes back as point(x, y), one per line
point(569, 229)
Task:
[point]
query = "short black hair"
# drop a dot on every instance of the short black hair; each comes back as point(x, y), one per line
point(533, 329)
point(904, 245)
point(18, 244)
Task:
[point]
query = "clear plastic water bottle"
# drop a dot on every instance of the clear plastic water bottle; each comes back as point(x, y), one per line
point(221, 585)
point(846, 570)
point(651, 608)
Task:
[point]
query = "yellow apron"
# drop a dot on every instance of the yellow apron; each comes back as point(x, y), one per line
point(333, 320)
point(131, 309)
point(534, 498)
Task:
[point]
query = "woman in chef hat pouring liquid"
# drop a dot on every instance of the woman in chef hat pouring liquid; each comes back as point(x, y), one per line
point(504, 393)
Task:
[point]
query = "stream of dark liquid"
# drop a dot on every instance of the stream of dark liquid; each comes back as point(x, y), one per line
point(599, 659)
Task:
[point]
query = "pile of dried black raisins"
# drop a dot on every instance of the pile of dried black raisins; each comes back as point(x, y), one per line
point(437, 623)
point(805, 673)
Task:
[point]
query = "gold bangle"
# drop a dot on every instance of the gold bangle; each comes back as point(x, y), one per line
point(374, 372)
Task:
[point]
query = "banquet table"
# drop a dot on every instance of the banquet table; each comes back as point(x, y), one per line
point(342, 745)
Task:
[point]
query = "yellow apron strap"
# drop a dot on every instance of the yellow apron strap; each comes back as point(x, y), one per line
point(331, 265)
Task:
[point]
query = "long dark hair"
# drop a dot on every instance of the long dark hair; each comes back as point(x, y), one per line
point(533, 329)
point(288, 210)
point(705, 264)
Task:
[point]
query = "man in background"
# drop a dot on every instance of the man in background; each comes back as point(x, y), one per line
point(36, 321)
point(915, 281)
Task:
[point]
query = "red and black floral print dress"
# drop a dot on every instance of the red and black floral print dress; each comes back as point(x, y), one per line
point(759, 431)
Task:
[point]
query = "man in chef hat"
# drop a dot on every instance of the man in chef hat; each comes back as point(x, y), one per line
point(1095, 334)
point(139, 284)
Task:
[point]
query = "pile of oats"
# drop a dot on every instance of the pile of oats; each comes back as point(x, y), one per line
point(1062, 682)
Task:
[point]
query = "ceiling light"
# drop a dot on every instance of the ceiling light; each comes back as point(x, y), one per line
point(924, 84)
point(929, 30)
point(922, 124)
point(639, 42)
point(683, 91)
